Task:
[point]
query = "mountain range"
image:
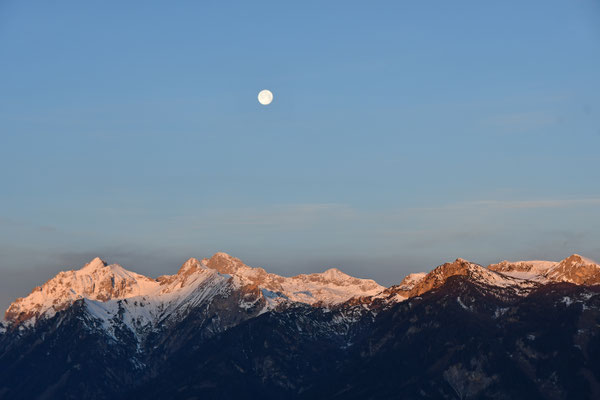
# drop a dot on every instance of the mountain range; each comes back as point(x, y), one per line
point(221, 329)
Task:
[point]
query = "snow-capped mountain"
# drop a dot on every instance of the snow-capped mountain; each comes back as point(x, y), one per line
point(221, 329)
point(574, 269)
point(95, 281)
point(329, 287)
point(474, 272)
point(110, 289)
point(533, 270)
point(106, 289)
point(149, 301)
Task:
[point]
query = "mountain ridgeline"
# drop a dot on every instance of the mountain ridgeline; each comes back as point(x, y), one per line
point(219, 329)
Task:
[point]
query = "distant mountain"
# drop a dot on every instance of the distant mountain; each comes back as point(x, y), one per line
point(574, 269)
point(221, 329)
point(110, 291)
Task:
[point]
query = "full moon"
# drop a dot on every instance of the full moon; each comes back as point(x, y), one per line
point(265, 97)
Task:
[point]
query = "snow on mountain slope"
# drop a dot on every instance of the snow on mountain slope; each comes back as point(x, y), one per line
point(95, 281)
point(142, 302)
point(475, 272)
point(519, 276)
point(109, 290)
point(533, 270)
point(411, 280)
point(329, 287)
point(400, 292)
point(171, 302)
point(574, 269)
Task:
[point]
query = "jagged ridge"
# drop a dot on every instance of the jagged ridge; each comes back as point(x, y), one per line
point(102, 286)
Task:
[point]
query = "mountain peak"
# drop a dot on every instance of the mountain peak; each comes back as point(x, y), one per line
point(330, 286)
point(411, 280)
point(95, 281)
point(575, 269)
point(333, 273)
point(95, 264)
point(474, 272)
point(577, 259)
point(191, 264)
point(459, 266)
point(224, 263)
point(222, 254)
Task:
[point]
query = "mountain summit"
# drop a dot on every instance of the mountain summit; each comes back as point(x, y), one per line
point(96, 280)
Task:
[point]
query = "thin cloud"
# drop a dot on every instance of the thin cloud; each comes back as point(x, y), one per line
point(515, 204)
point(294, 215)
point(547, 203)
point(523, 120)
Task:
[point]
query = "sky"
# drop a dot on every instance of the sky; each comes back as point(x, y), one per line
point(402, 135)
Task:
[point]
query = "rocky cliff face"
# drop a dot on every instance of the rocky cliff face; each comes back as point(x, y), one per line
point(575, 269)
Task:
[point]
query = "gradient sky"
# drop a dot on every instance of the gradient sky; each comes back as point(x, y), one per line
point(402, 134)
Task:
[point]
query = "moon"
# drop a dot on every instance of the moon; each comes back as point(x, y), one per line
point(265, 97)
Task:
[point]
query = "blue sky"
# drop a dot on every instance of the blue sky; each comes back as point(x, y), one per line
point(402, 134)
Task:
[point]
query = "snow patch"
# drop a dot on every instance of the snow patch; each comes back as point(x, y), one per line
point(459, 301)
point(500, 311)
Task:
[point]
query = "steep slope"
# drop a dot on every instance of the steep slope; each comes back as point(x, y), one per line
point(396, 293)
point(68, 356)
point(459, 341)
point(411, 280)
point(575, 269)
point(96, 349)
point(95, 281)
point(276, 355)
